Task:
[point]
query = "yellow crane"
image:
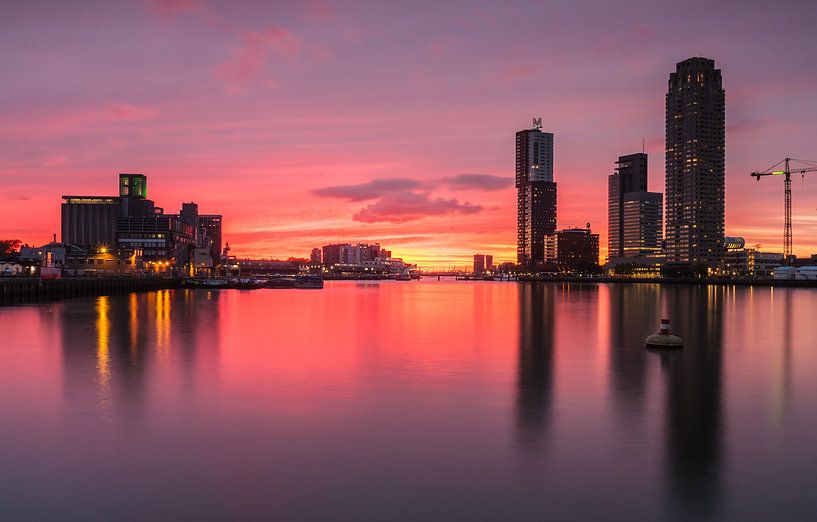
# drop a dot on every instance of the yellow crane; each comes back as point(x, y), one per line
point(807, 166)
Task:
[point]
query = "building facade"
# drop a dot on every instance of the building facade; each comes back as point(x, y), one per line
point(536, 194)
point(578, 249)
point(346, 253)
point(479, 264)
point(695, 163)
point(634, 215)
point(130, 221)
point(211, 225)
point(89, 220)
point(641, 223)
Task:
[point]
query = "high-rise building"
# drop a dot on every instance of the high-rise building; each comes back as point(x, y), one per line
point(489, 262)
point(536, 194)
point(211, 225)
point(315, 256)
point(634, 215)
point(641, 223)
point(479, 264)
point(695, 163)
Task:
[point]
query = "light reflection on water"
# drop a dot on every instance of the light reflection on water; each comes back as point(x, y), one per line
point(410, 400)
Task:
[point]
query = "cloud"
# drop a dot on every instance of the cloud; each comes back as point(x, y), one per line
point(249, 59)
point(16, 197)
point(479, 182)
point(400, 207)
point(518, 72)
point(128, 112)
point(376, 188)
point(172, 7)
point(405, 199)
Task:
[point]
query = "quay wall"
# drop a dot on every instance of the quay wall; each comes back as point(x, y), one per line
point(675, 281)
point(29, 290)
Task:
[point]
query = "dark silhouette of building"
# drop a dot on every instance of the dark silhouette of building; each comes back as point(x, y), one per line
point(634, 215)
point(536, 194)
point(211, 225)
point(695, 163)
point(131, 221)
point(578, 249)
point(315, 256)
point(479, 263)
point(89, 220)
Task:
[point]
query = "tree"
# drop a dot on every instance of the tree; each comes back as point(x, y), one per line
point(9, 246)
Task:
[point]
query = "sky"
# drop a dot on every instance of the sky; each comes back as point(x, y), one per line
point(306, 123)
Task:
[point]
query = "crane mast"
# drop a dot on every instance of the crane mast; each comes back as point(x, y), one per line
point(809, 166)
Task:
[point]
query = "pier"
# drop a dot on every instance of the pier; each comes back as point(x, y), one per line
point(27, 290)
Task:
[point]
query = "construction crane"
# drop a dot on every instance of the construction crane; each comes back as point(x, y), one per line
point(807, 166)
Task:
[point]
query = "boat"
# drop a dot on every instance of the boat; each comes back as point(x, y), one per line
point(308, 282)
point(280, 282)
point(214, 282)
point(245, 283)
point(664, 338)
point(405, 275)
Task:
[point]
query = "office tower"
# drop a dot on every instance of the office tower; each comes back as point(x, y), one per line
point(315, 256)
point(479, 264)
point(211, 225)
point(695, 128)
point(536, 194)
point(489, 262)
point(641, 223)
point(634, 215)
point(578, 249)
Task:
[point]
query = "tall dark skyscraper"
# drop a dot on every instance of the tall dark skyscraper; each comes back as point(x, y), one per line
point(536, 194)
point(634, 215)
point(695, 162)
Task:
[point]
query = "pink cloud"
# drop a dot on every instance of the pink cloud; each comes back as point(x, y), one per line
point(249, 59)
point(409, 206)
point(172, 7)
point(129, 112)
point(518, 72)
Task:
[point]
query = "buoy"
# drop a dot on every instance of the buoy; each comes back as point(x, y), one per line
point(664, 339)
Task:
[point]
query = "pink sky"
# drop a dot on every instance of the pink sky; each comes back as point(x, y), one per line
point(305, 123)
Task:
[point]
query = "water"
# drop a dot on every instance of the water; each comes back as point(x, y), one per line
point(411, 401)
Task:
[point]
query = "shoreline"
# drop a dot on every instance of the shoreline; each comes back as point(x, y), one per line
point(15, 291)
point(788, 283)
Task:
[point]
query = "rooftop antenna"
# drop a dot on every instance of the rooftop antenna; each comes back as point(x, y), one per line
point(643, 145)
point(537, 123)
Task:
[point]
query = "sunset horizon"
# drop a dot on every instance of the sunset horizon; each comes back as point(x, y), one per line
point(266, 115)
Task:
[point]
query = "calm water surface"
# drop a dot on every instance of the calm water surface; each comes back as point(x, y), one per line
point(411, 401)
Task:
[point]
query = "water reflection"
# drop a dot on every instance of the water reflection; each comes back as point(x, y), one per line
point(477, 400)
point(535, 371)
point(130, 335)
point(634, 314)
point(693, 399)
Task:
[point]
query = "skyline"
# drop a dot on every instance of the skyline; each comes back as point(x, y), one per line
point(315, 124)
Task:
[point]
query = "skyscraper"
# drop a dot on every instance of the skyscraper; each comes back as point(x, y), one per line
point(536, 193)
point(634, 215)
point(695, 162)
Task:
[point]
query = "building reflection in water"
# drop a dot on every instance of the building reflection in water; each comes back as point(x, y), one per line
point(693, 399)
point(103, 363)
point(535, 372)
point(129, 335)
point(634, 314)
